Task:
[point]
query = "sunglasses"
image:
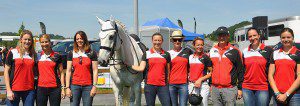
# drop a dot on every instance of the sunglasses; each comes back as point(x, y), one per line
point(177, 40)
point(80, 59)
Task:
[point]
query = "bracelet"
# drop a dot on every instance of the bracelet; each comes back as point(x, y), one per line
point(63, 87)
point(95, 85)
point(277, 93)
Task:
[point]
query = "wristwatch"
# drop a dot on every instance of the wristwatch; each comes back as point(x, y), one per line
point(287, 94)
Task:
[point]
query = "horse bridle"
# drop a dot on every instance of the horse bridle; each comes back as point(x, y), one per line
point(112, 49)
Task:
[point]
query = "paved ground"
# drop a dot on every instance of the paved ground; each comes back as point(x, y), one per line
point(108, 100)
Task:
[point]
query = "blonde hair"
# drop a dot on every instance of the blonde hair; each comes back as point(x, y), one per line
point(21, 46)
point(45, 36)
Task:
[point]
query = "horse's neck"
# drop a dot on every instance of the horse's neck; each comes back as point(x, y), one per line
point(118, 55)
point(129, 49)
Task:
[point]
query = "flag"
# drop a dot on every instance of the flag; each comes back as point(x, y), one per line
point(180, 23)
point(43, 27)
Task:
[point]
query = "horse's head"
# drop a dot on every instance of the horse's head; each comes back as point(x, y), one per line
point(109, 38)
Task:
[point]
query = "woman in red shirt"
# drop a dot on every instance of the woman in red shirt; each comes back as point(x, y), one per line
point(50, 86)
point(19, 72)
point(82, 71)
point(179, 70)
point(200, 67)
point(284, 71)
point(156, 82)
point(256, 62)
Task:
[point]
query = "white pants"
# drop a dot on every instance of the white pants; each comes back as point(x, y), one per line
point(203, 91)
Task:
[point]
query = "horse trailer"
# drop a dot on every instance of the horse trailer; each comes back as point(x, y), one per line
point(273, 32)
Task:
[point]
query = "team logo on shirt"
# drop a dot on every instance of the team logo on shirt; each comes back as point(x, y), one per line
point(216, 51)
point(228, 54)
point(201, 59)
point(263, 51)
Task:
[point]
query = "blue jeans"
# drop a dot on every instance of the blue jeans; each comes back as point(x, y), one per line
point(79, 92)
point(27, 98)
point(162, 92)
point(53, 94)
point(181, 91)
point(292, 100)
point(256, 97)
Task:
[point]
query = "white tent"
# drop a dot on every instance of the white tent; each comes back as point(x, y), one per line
point(146, 33)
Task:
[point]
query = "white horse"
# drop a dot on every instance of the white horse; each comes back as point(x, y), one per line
point(117, 48)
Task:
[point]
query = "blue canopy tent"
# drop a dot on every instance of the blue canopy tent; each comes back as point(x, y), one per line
point(165, 22)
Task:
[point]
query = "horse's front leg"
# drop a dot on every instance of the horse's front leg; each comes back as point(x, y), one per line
point(136, 94)
point(126, 96)
point(118, 94)
point(132, 97)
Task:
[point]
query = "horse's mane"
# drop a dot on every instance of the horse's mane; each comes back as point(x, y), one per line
point(130, 47)
point(121, 25)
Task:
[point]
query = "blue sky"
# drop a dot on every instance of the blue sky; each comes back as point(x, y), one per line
point(65, 17)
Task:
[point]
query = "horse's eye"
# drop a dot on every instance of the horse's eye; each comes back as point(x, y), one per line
point(111, 37)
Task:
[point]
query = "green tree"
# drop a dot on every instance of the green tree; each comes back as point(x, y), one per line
point(8, 34)
point(22, 27)
point(53, 36)
point(231, 30)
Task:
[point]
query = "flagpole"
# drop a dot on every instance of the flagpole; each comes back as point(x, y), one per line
point(136, 18)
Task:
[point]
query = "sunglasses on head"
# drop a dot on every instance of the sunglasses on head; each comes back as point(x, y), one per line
point(175, 40)
point(80, 59)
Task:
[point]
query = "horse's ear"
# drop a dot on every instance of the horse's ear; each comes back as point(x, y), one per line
point(111, 18)
point(100, 21)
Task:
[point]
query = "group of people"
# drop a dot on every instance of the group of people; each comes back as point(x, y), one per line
point(31, 76)
point(255, 74)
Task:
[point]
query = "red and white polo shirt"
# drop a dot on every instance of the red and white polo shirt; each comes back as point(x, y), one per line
point(256, 63)
point(179, 66)
point(82, 67)
point(285, 68)
point(198, 66)
point(21, 72)
point(156, 73)
point(48, 69)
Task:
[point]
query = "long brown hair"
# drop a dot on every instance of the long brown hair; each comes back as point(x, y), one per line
point(86, 44)
point(21, 46)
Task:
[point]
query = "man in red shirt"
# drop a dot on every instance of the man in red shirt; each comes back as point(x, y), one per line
point(227, 74)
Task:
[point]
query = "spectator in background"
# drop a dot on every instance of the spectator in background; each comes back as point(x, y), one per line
point(4, 54)
point(1, 62)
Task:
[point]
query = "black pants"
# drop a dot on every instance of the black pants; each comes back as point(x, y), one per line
point(54, 95)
